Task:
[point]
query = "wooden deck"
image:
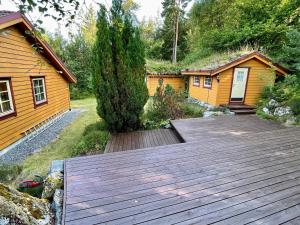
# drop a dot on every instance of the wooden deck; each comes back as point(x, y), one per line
point(240, 174)
point(141, 139)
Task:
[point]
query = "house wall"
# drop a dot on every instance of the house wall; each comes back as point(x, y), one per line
point(19, 61)
point(204, 94)
point(177, 83)
point(260, 75)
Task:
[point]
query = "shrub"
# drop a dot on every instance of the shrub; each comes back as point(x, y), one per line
point(94, 139)
point(9, 173)
point(191, 110)
point(294, 103)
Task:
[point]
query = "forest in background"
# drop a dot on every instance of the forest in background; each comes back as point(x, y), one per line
point(209, 29)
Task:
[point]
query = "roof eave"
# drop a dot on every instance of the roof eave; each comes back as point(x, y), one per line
point(18, 18)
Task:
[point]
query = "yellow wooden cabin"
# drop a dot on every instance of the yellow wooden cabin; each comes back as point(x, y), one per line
point(176, 81)
point(236, 81)
point(34, 83)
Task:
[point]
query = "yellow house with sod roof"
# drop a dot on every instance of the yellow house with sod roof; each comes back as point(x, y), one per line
point(237, 81)
point(34, 82)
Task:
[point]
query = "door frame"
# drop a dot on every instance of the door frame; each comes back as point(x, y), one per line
point(232, 78)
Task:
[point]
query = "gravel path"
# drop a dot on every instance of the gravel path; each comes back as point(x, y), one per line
point(21, 151)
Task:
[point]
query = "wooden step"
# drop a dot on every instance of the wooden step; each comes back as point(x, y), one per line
point(240, 107)
point(243, 111)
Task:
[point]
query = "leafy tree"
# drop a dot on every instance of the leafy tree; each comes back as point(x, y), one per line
point(57, 9)
point(119, 69)
point(290, 52)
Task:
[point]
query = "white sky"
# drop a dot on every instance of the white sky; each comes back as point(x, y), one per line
point(148, 9)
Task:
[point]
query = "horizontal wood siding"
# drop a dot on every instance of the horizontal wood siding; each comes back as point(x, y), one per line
point(177, 83)
point(208, 95)
point(19, 61)
point(260, 76)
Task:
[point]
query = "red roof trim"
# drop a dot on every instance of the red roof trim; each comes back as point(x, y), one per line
point(49, 53)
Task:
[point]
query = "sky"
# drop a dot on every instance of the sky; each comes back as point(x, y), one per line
point(148, 9)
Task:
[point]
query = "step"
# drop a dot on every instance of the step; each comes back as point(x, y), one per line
point(243, 111)
point(240, 107)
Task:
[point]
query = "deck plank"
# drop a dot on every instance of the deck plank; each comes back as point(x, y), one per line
point(231, 170)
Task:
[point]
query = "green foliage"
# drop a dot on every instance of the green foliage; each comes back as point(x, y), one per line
point(294, 103)
point(9, 173)
point(119, 70)
point(290, 52)
point(77, 53)
point(93, 140)
point(167, 105)
point(171, 10)
point(191, 110)
point(56, 9)
point(261, 24)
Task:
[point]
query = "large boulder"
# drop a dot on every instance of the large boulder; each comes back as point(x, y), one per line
point(52, 182)
point(57, 206)
point(282, 111)
point(23, 209)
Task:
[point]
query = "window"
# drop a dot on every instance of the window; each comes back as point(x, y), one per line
point(196, 80)
point(6, 99)
point(39, 90)
point(207, 82)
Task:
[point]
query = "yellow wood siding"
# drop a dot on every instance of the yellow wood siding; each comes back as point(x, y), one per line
point(260, 76)
point(204, 94)
point(177, 83)
point(19, 61)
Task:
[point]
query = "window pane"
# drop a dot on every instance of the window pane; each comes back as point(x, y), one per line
point(42, 96)
point(4, 96)
point(41, 82)
point(35, 83)
point(41, 89)
point(1, 111)
point(3, 86)
point(6, 106)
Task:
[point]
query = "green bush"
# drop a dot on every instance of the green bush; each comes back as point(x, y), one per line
point(294, 103)
point(9, 173)
point(94, 139)
point(191, 110)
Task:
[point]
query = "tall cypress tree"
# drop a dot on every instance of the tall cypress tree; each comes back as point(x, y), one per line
point(119, 69)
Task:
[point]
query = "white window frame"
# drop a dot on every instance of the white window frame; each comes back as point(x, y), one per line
point(10, 99)
point(35, 94)
point(205, 84)
point(196, 83)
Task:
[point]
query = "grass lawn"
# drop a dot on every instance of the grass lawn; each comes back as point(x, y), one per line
point(39, 163)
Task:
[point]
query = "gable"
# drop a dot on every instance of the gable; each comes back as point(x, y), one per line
point(16, 19)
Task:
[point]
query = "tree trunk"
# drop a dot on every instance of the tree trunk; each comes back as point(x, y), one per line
point(175, 45)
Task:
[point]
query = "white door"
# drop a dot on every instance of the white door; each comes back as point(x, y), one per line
point(239, 84)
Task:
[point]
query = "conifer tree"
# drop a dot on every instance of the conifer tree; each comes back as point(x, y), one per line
point(119, 69)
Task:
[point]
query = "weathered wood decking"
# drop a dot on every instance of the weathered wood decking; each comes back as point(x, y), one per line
point(141, 139)
point(223, 178)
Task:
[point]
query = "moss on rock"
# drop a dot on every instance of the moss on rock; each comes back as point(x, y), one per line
point(23, 209)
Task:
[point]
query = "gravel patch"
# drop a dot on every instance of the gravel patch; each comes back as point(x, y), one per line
point(26, 148)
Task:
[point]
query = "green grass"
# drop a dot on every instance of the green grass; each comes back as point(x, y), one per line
point(63, 147)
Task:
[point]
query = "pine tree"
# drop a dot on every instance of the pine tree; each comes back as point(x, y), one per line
point(174, 30)
point(119, 70)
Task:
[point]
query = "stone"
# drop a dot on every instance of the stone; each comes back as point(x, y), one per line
point(266, 110)
point(57, 206)
point(207, 114)
point(57, 166)
point(291, 121)
point(282, 111)
point(272, 104)
point(52, 182)
point(20, 208)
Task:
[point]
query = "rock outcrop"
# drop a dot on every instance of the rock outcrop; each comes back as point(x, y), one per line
point(23, 209)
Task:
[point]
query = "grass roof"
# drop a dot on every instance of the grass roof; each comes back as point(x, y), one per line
point(210, 62)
